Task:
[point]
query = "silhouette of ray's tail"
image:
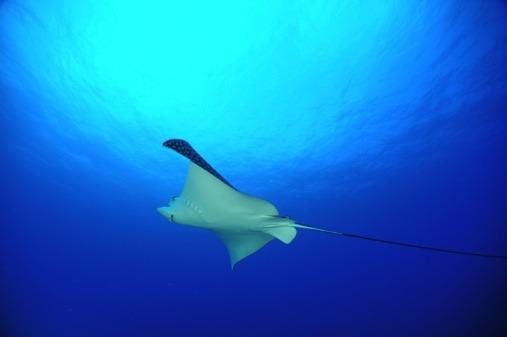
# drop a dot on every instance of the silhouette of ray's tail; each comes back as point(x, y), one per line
point(398, 243)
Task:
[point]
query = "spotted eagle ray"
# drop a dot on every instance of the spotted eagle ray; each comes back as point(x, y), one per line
point(244, 223)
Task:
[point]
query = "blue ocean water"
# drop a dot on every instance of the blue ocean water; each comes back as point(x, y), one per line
point(380, 118)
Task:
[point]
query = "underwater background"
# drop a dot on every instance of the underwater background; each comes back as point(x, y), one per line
point(379, 118)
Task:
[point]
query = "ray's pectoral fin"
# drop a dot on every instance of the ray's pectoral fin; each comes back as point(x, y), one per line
point(242, 244)
point(185, 149)
point(215, 197)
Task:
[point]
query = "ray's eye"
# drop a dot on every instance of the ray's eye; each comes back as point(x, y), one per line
point(171, 217)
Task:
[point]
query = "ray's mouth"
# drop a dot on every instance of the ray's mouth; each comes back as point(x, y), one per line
point(166, 213)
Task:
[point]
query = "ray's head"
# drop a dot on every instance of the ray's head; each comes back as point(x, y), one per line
point(178, 211)
point(169, 211)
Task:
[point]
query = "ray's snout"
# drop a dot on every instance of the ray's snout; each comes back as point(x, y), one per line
point(164, 211)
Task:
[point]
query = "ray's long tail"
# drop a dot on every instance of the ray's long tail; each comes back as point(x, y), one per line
point(398, 243)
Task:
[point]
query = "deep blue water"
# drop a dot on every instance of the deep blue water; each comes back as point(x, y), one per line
point(380, 118)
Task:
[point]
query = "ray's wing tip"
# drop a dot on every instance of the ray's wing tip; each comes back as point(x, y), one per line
point(175, 142)
point(171, 141)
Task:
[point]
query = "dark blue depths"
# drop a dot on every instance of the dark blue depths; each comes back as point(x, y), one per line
point(385, 119)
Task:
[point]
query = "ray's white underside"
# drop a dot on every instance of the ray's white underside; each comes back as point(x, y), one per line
point(243, 222)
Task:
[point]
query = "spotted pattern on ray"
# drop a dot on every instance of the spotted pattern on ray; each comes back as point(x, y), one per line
point(185, 149)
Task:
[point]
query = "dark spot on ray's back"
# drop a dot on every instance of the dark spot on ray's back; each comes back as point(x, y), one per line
point(185, 149)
